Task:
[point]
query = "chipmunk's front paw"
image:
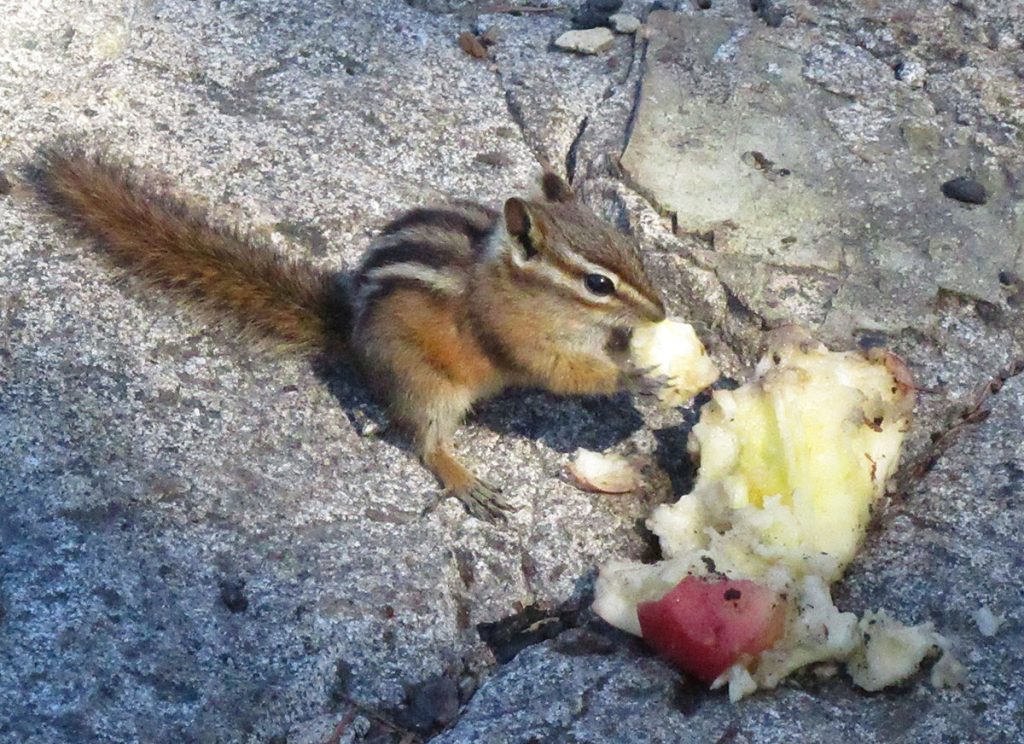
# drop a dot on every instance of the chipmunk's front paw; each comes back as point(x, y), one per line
point(643, 381)
point(481, 499)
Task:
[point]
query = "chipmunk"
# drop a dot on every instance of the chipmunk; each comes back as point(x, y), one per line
point(449, 306)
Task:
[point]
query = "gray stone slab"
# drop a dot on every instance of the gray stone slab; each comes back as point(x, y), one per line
point(199, 544)
point(812, 174)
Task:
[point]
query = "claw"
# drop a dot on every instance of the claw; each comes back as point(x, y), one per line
point(653, 387)
point(639, 372)
point(488, 485)
point(642, 381)
point(482, 500)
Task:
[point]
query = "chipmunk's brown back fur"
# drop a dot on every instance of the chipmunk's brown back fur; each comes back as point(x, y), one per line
point(172, 246)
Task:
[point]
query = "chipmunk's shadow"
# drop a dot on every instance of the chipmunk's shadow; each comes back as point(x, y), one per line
point(563, 424)
point(345, 383)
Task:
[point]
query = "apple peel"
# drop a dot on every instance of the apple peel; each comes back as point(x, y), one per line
point(704, 625)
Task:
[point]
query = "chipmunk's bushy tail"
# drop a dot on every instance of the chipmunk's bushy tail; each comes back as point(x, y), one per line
point(226, 275)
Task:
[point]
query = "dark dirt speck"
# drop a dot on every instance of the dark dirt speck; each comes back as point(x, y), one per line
point(231, 594)
point(965, 190)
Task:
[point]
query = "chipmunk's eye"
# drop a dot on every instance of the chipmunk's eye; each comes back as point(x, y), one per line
point(599, 284)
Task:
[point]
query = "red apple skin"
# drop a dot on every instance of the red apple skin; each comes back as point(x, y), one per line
point(704, 626)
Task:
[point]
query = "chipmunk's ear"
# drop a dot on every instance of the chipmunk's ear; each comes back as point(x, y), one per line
point(520, 225)
point(555, 189)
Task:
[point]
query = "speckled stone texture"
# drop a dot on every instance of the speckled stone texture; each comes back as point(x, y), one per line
point(199, 542)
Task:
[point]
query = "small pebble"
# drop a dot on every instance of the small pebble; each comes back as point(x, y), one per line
point(624, 23)
point(988, 622)
point(472, 46)
point(370, 429)
point(366, 423)
point(590, 41)
point(231, 595)
point(5, 184)
point(966, 190)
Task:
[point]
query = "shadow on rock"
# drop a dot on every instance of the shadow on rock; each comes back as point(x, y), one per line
point(563, 424)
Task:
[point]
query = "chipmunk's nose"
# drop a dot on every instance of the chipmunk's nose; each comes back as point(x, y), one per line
point(655, 311)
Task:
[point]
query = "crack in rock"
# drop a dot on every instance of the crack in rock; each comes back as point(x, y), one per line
point(570, 156)
point(534, 140)
point(515, 113)
point(942, 439)
point(510, 635)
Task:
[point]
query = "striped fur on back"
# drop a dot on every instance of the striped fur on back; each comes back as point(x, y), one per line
point(436, 250)
point(430, 249)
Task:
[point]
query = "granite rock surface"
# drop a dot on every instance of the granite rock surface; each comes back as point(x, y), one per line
point(199, 542)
